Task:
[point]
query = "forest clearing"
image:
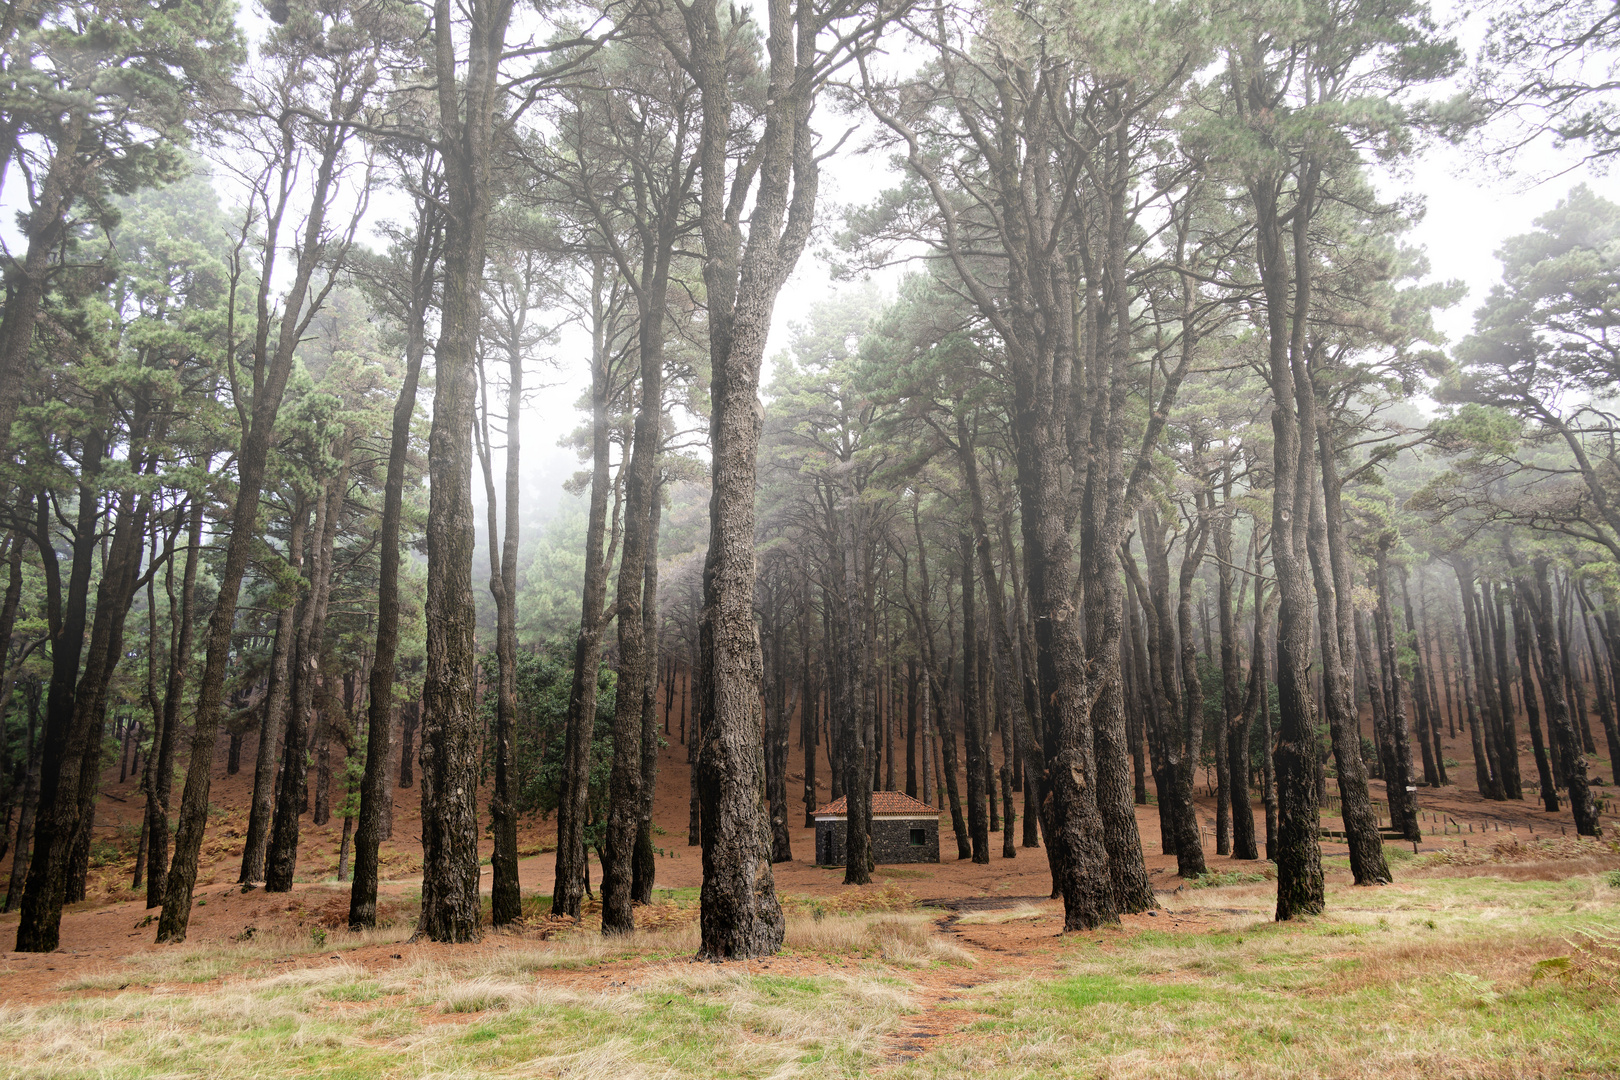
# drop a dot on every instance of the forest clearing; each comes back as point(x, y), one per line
point(932, 538)
point(1494, 955)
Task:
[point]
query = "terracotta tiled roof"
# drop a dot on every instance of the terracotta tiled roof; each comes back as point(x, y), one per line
point(885, 802)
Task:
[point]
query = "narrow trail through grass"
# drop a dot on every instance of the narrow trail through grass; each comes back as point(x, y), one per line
point(1476, 976)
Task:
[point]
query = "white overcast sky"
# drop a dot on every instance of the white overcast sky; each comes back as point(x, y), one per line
point(1470, 209)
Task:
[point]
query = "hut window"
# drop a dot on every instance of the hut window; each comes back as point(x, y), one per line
point(918, 838)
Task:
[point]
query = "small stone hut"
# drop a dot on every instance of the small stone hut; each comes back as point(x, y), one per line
point(903, 830)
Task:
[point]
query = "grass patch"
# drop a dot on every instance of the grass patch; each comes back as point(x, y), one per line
point(1216, 879)
point(677, 1021)
point(992, 918)
point(1084, 991)
point(1467, 976)
point(906, 939)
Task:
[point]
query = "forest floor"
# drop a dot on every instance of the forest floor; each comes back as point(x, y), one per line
point(1496, 953)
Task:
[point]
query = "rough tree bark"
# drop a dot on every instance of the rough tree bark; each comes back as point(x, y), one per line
point(375, 796)
point(261, 808)
point(160, 758)
point(568, 888)
point(282, 860)
point(298, 308)
point(1558, 718)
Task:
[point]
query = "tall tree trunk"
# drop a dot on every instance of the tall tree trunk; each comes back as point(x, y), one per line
point(1512, 786)
point(1492, 708)
point(1190, 847)
point(506, 901)
point(407, 744)
point(978, 830)
point(1298, 848)
point(270, 376)
point(1141, 623)
point(1337, 625)
point(160, 758)
point(71, 762)
point(1231, 749)
point(282, 858)
point(1523, 632)
point(1171, 698)
point(30, 803)
point(376, 800)
point(645, 865)
point(1397, 783)
point(1427, 720)
point(854, 705)
point(261, 808)
point(1558, 718)
point(469, 100)
point(809, 729)
point(937, 694)
point(641, 488)
point(1602, 677)
point(911, 728)
point(1486, 776)
point(568, 888)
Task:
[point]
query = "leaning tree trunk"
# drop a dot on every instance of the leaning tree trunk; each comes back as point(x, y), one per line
point(1336, 628)
point(252, 457)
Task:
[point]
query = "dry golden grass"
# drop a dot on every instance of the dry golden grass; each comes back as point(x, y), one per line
point(906, 938)
point(1421, 979)
point(995, 918)
point(1425, 978)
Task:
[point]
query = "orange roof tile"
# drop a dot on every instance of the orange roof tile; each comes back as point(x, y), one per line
point(885, 803)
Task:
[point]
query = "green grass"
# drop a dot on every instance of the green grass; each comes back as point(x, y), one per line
point(1429, 977)
point(1435, 977)
point(1216, 878)
point(685, 1021)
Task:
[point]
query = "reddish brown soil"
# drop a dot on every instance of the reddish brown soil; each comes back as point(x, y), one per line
point(114, 923)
